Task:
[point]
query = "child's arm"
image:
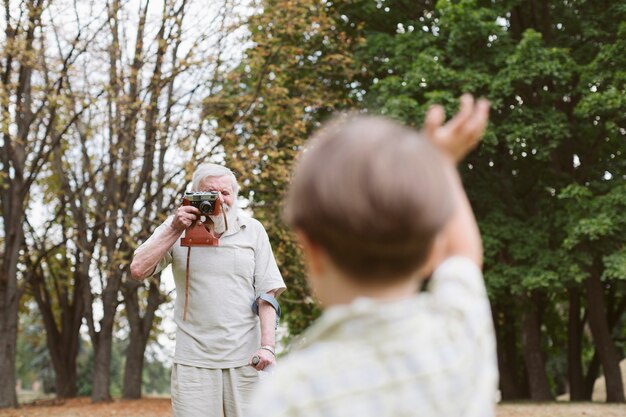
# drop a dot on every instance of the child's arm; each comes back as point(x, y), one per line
point(460, 237)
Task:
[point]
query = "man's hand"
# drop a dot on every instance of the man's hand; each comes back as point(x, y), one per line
point(266, 358)
point(184, 217)
point(463, 132)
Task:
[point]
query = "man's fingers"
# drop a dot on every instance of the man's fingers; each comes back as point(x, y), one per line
point(435, 117)
point(187, 218)
point(189, 209)
point(189, 212)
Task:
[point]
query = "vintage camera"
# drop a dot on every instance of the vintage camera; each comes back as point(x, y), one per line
point(206, 202)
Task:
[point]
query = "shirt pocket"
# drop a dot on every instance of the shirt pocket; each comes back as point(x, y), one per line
point(244, 263)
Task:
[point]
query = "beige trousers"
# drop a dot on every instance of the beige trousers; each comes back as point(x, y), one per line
point(203, 392)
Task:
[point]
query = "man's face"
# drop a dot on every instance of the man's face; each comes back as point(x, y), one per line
point(223, 185)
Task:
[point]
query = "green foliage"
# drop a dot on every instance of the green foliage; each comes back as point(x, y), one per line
point(547, 182)
point(85, 368)
point(615, 265)
point(32, 359)
point(299, 71)
point(156, 377)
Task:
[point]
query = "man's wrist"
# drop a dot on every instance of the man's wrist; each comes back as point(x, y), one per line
point(269, 348)
point(173, 229)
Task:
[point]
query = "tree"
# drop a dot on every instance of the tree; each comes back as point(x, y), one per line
point(56, 286)
point(35, 118)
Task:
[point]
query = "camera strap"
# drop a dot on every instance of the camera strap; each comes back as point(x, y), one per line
point(187, 284)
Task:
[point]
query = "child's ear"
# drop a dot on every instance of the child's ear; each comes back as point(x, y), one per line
point(312, 254)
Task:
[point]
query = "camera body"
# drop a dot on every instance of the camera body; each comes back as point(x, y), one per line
point(207, 202)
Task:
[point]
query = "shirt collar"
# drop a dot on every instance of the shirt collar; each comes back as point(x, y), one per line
point(240, 223)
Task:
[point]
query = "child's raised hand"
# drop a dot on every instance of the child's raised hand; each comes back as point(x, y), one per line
point(462, 133)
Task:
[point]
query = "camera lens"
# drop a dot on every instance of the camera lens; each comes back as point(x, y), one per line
point(205, 207)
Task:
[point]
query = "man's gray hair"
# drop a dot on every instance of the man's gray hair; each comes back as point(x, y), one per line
point(212, 170)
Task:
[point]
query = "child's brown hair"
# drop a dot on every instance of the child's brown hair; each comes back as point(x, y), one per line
point(373, 194)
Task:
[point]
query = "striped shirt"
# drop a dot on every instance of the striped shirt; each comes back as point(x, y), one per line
point(430, 355)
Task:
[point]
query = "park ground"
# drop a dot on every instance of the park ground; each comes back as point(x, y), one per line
point(160, 407)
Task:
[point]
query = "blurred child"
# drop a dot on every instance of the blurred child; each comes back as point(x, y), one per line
point(378, 208)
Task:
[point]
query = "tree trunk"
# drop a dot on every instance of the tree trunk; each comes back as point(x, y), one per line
point(601, 332)
point(101, 367)
point(103, 343)
point(508, 365)
point(574, 348)
point(65, 380)
point(8, 340)
point(532, 351)
point(140, 327)
point(63, 356)
point(593, 371)
point(62, 339)
point(133, 370)
point(9, 304)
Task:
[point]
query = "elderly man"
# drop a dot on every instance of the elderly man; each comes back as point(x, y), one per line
point(220, 343)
